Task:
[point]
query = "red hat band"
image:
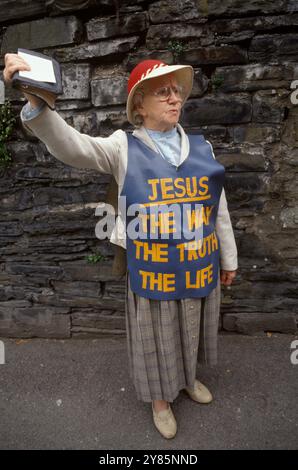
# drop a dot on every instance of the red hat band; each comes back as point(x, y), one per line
point(141, 71)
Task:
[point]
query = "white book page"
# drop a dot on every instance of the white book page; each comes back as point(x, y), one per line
point(41, 69)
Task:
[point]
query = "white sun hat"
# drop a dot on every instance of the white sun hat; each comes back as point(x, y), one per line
point(155, 68)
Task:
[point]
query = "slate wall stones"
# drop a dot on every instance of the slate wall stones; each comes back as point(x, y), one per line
point(101, 28)
point(48, 32)
point(224, 54)
point(245, 60)
point(218, 109)
point(265, 48)
point(159, 35)
point(108, 91)
point(180, 10)
point(95, 50)
point(239, 8)
point(12, 10)
point(76, 78)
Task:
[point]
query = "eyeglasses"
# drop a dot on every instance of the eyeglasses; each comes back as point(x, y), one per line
point(164, 92)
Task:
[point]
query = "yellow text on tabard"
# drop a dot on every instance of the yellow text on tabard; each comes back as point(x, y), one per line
point(175, 188)
point(198, 217)
point(192, 251)
point(165, 282)
point(188, 251)
point(199, 278)
point(158, 251)
point(162, 282)
point(165, 222)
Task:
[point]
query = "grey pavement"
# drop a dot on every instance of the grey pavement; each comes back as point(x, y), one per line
point(77, 394)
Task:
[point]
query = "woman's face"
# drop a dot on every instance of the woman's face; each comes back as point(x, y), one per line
point(160, 115)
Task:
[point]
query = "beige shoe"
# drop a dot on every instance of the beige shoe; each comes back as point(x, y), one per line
point(200, 394)
point(165, 422)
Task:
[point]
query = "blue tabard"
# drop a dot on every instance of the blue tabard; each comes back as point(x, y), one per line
point(164, 259)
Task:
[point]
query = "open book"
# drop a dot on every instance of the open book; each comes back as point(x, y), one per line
point(44, 78)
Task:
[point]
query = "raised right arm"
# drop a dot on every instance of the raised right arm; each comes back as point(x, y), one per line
point(61, 139)
point(72, 147)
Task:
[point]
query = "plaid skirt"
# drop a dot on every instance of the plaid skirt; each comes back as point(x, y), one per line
point(166, 339)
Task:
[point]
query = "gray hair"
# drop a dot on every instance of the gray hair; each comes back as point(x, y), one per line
point(137, 100)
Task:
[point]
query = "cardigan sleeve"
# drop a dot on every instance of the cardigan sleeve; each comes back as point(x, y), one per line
point(28, 112)
point(70, 146)
point(224, 231)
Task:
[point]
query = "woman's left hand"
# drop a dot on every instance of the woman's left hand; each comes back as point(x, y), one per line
point(226, 277)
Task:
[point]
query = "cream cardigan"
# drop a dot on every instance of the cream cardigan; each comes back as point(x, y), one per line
point(109, 155)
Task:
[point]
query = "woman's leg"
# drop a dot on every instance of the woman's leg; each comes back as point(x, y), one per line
point(160, 405)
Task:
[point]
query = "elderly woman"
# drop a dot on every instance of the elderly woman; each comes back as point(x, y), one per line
point(173, 283)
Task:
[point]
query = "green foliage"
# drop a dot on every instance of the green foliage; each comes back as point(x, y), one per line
point(176, 47)
point(7, 123)
point(95, 258)
point(217, 81)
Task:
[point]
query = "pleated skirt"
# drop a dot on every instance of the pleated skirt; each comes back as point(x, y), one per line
point(166, 339)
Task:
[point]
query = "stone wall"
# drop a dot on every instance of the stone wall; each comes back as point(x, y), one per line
point(245, 59)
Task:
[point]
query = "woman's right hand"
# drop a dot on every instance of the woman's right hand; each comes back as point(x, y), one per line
point(14, 63)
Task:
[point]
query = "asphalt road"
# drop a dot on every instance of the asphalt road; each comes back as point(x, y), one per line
point(77, 394)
